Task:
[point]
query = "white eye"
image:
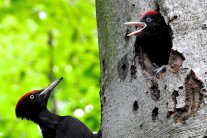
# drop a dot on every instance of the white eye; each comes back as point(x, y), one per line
point(148, 19)
point(31, 97)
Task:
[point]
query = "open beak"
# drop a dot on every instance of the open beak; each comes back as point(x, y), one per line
point(47, 91)
point(141, 25)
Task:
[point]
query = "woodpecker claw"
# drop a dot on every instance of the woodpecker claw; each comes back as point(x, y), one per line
point(159, 70)
point(141, 25)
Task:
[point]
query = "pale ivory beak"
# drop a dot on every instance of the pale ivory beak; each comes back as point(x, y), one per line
point(49, 89)
point(141, 25)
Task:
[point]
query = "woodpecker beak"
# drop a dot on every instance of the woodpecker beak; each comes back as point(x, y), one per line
point(46, 92)
point(141, 25)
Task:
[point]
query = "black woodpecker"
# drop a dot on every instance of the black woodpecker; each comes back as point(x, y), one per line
point(154, 38)
point(33, 106)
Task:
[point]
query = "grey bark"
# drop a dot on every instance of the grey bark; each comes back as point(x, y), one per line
point(136, 104)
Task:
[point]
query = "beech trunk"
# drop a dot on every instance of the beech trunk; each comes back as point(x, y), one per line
point(137, 104)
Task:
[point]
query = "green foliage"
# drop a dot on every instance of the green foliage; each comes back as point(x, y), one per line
point(25, 59)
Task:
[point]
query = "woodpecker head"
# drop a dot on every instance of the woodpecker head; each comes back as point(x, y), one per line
point(150, 20)
point(32, 103)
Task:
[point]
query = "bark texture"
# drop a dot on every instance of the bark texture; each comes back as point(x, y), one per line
point(136, 104)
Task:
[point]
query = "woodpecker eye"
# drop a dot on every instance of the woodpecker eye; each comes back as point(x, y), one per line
point(31, 97)
point(148, 20)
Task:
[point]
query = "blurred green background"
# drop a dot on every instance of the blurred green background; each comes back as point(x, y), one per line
point(41, 40)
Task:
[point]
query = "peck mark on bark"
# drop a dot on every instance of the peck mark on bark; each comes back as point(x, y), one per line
point(123, 67)
point(133, 71)
point(155, 113)
point(176, 60)
point(155, 92)
point(132, 7)
point(135, 106)
point(193, 99)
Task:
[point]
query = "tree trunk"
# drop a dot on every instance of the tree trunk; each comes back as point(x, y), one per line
point(136, 104)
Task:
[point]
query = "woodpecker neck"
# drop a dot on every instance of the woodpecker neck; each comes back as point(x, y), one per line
point(46, 117)
point(47, 121)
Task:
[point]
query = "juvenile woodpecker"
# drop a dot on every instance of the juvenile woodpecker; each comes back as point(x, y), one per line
point(33, 106)
point(154, 38)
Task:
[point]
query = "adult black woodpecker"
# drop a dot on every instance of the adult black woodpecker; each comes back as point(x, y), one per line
point(33, 106)
point(154, 38)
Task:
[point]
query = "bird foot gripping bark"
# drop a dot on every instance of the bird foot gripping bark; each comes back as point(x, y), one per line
point(159, 70)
